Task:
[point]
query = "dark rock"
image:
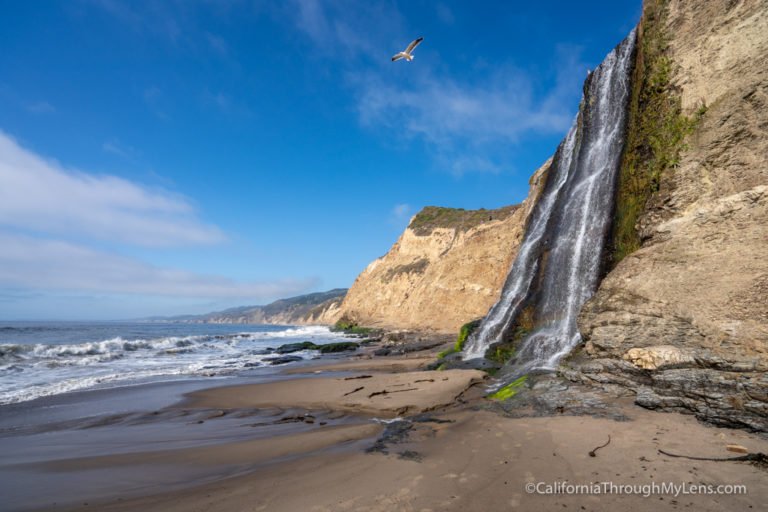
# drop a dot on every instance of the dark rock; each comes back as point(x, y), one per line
point(735, 399)
point(383, 351)
point(296, 347)
point(418, 346)
point(410, 455)
point(454, 362)
point(395, 432)
point(283, 360)
point(341, 346)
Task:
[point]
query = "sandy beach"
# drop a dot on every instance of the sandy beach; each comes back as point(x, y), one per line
point(383, 434)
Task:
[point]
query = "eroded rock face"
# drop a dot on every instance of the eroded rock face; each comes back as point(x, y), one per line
point(653, 358)
point(684, 320)
point(440, 275)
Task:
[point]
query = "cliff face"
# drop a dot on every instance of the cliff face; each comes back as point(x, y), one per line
point(683, 320)
point(447, 268)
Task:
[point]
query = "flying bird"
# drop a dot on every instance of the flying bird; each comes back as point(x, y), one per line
point(407, 54)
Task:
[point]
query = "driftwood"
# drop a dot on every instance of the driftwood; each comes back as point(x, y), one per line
point(385, 392)
point(358, 377)
point(593, 453)
point(354, 391)
point(750, 457)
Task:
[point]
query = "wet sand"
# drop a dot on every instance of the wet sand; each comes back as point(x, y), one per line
point(483, 461)
point(311, 442)
point(375, 393)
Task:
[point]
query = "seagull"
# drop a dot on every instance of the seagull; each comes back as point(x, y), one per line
point(408, 51)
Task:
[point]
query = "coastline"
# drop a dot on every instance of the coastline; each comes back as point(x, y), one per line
point(434, 444)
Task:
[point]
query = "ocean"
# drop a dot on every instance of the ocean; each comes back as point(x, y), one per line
point(43, 359)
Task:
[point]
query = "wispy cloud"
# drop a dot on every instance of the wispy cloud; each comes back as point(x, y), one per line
point(401, 211)
point(159, 18)
point(217, 43)
point(43, 264)
point(116, 147)
point(444, 13)
point(40, 195)
point(468, 122)
point(40, 107)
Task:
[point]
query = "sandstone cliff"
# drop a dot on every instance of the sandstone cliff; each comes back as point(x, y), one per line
point(683, 320)
point(446, 269)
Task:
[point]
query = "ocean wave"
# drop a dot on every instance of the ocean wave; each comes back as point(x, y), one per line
point(30, 371)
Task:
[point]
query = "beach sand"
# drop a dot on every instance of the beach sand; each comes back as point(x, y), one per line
point(457, 452)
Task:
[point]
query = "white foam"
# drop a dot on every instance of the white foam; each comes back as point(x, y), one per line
point(32, 371)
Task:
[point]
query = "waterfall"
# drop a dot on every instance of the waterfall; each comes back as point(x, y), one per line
point(558, 264)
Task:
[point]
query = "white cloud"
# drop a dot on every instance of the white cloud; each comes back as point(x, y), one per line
point(30, 263)
point(40, 195)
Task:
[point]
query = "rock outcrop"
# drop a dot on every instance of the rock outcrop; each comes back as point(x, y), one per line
point(446, 269)
point(683, 321)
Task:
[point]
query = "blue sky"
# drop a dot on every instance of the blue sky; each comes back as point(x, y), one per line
point(185, 156)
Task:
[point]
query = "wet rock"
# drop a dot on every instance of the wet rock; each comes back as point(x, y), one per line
point(454, 362)
point(296, 347)
point(283, 360)
point(341, 346)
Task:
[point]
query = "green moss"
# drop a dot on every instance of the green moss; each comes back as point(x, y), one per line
point(349, 327)
point(441, 367)
point(341, 346)
point(464, 333)
point(505, 350)
point(510, 390)
point(433, 217)
point(447, 352)
point(501, 353)
point(656, 129)
point(466, 329)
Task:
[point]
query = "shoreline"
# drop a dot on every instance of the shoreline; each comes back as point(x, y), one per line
point(410, 439)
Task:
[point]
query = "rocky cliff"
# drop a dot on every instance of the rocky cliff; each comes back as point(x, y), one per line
point(682, 319)
point(447, 268)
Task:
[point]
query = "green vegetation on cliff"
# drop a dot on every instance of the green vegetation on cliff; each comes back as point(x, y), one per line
point(656, 129)
point(349, 327)
point(464, 333)
point(433, 217)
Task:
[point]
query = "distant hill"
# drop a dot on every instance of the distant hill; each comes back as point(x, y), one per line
point(312, 308)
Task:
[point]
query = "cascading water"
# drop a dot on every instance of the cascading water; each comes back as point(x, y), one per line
point(565, 237)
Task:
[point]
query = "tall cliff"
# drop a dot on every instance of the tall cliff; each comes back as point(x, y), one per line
point(446, 269)
point(682, 319)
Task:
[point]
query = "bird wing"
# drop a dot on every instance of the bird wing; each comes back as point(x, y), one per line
point(397, 57)
point(413, 45)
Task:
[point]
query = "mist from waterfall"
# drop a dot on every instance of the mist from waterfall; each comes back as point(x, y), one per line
point(558, 265)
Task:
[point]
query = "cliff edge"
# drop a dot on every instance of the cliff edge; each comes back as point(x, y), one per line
point(446, 269)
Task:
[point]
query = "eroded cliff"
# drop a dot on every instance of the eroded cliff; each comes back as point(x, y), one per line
point(682, 321)
point(447, 268)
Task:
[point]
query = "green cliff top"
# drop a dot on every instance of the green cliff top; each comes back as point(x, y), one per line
point(432, 217)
